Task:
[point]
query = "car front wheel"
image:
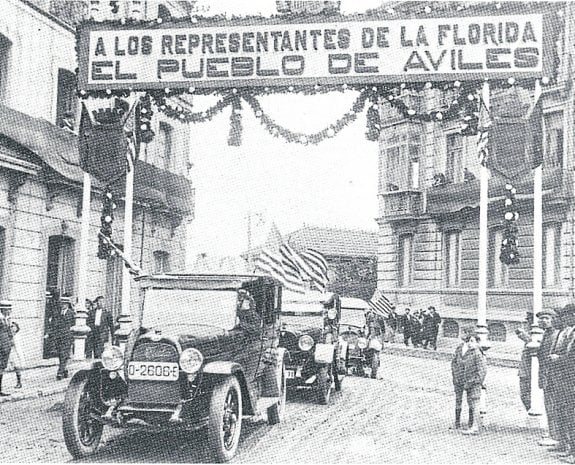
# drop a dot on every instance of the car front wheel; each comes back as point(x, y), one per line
point(225, 419)
point(82, 432)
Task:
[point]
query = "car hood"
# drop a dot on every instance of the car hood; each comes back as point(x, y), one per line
point(299, 329)
point(207, 339)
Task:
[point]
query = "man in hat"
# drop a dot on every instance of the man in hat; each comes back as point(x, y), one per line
point(431, 322)
point(6, 337)
point(546, 318)
point(62, 323)
point(524, 370)
point(101, 323)
point(562, 372)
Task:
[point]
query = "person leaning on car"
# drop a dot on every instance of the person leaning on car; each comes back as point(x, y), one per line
point(375, 324)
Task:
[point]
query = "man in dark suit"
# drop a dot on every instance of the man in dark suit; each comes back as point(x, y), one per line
point(101, 324)
point(406, 323)
point(431, 322)
point(562, 372)
point(546, 322)
point(6, 339)
point(62, 323)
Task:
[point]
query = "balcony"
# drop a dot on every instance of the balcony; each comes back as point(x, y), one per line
point(557, 188)
point(400, 205)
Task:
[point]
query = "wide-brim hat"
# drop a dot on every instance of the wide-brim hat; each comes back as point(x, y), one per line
point(546, 312)
point(5, 305)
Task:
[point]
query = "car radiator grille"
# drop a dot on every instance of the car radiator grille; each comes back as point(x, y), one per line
point(154, 392)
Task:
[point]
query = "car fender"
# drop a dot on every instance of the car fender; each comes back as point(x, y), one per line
point(222, 367)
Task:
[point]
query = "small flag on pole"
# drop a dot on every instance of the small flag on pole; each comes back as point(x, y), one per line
point(380, 304)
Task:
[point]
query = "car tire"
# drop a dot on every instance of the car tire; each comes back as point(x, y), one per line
point(374, 364)
point(324, 381)
point(336, 378)
point(276, 412)
point(82, 433)
point(225, 420)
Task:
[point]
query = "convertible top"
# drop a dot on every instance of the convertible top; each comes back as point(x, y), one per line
point(204, 281)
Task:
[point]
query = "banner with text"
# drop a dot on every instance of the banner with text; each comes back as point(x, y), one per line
point(194, 55)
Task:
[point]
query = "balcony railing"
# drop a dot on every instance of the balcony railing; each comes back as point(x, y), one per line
point(396, 205)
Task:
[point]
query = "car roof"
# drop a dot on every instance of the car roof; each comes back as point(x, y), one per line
point(355, 303)
point(203, 281)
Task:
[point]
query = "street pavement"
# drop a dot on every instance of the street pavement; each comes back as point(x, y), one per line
point(404, 417)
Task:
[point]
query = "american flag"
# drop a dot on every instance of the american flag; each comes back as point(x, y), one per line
point(292, 269)
point(380, 304)
point(273, 264)
point(311, 264)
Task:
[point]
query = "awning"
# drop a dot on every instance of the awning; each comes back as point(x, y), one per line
point(58, 149)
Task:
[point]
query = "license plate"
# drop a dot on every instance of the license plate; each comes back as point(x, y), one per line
point(154, 371)
point(290, 374)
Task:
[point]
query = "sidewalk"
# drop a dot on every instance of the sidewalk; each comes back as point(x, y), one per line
point(36, 382)
point(41, 381)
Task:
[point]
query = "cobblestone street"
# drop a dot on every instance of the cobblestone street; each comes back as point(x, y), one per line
point(402, 418)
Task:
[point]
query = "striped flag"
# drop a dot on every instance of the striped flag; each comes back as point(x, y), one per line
point(273, 264)
point(316, 268)
point(311, 264)
point(380, 304)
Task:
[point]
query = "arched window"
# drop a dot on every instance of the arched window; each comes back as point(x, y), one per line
point(497, 332)
point(450, 329)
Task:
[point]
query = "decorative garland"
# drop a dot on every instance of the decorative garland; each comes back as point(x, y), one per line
point(509, 252)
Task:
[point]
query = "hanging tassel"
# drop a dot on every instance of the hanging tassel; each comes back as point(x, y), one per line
point(235, 136)
point(373, 124)
point(509, 247)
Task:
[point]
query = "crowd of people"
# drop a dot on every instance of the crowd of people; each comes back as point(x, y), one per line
point(59, 338)
point(420, 327)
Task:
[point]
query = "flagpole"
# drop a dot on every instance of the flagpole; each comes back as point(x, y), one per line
point(125, 319)
point(80, 329)
point(483, 235)
point(537, 408)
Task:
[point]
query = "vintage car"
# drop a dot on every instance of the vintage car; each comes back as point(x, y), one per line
point(204, 353)
point(310, 331)
point(363, 349)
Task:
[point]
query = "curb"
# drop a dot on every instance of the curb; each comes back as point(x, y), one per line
point(439, 355)
point(49, 391)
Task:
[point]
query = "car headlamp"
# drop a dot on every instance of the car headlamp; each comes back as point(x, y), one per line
point(332, 313)
point(191, 360)
point(362, 343)
point(112, 358)
point(305, 343)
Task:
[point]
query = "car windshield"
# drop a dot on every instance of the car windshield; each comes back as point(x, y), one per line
point(165, 307)
point(302, 313)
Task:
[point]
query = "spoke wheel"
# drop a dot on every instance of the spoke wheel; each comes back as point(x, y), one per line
point(225, 420)
point(82, 432)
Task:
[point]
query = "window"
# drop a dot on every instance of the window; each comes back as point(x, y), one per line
point(451, 329)
point(452, 258)
point(405, 260)
point(66, 103)
point(403, 147)
point(551, 255)
point(454, 166)
point(499, 272)
point(161, 262)
point(553, 156)
point(497, 332)
point(165, 145)
point(5, 48)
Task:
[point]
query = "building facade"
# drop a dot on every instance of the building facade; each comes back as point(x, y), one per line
point(41, 181)
point(428, 244)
